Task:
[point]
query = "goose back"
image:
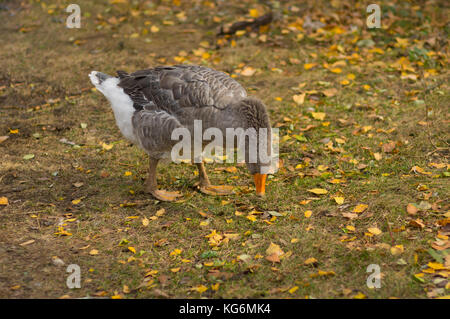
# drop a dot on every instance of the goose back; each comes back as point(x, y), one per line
point(171, 88)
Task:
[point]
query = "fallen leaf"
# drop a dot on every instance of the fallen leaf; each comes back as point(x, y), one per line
point(28, 242)
point(273, 258)
point(308, 66)
point(310, 261)
point(107, 147)
point(360, 208)
point(318, 191)
point(200, 289)
point(318, 115)
point(274, 249)
point(330, 92)
point(28, 156)
point(374, 230)
point(388, 147)
point(248, 71)
point(299, 99)
point(397, 250)
point(411, 209)
point(3, 201)
point(293, 289)
point(93, 252)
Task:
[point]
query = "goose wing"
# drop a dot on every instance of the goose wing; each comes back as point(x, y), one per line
point(153, 130)
point(170, 88)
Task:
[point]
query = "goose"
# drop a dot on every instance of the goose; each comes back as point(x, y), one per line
point(150, 104)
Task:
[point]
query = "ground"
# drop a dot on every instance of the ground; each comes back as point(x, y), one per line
point(363, 119)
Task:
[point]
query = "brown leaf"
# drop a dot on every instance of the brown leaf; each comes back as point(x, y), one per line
point(273, 258)
point(417, 223)
point(388, 147)
point(330, 92)
point(411, 209)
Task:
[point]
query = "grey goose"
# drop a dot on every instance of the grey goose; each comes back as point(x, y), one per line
point(150, 104)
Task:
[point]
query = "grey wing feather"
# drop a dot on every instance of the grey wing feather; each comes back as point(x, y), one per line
point(174, 87)
point(153, 130)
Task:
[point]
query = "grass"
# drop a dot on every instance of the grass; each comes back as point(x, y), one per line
point(45, 94)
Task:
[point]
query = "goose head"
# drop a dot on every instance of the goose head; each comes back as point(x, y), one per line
point(259, 156)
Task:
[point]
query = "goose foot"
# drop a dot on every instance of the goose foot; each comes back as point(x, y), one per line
point(217, 190)
point(165, 196)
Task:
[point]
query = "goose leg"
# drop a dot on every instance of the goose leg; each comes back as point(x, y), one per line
point(152, 185)
point(207, 188)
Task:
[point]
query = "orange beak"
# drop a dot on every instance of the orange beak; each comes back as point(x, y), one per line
point(260, 183)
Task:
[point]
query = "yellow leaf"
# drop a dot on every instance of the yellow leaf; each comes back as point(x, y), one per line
point(107, 147)
point(248, 71)
point(293, 289)
point(294, 240)
point(299, 99)
point(128, 173)
point(274, 249)
point(321, 273)
point(310, 261)
point(436, 266)
point(350, 228)
point(339, 200)
point(76, 201)
point(132, 249)
point(318, 115)
point(397, 250)
point(16, 131)
point(308, 213)
point(308, 66)
point(200, 289)
point(336, 70)
point(93, 252)
point(377, 156)
point(374, 230)
point(160, 212)
point(176, 252)
point(175, 269)
point(360, 208)
point(215, 287)
point(318, 191)
point(359, 295)
point(351, 76)
point(254, 13)
point(151, 273)
point(154, 29)
point(145, 221)
point(3, 201)
point(204, 223)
